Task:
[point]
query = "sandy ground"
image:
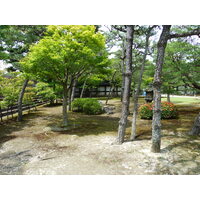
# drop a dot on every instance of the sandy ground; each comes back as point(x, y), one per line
point(37, 146)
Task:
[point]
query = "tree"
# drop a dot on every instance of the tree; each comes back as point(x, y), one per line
point(65, 53)
point(156, 122)
point(127, 85)
point(162, 43)
point(195, 130)
point(15, 43)
point(9, 88)
point(147, 33)
point(45, 92)
point(182, 58)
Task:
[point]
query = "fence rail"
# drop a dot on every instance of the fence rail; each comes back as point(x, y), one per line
point(11, 110)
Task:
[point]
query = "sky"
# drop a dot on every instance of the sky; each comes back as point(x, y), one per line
point(3, 65)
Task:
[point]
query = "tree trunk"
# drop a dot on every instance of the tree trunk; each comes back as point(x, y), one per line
point(73, 90)
point(127, 86)
point(20, 99)
point(168, 97)
point(156, 122)
point(72, 93)
point(111, 87)
point(122, 70)
point(196, 127)
point(82, 91)
point(52, 102)
point(136, 94)
point(65, 98)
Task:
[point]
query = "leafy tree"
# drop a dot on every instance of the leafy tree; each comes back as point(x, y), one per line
point(14, 45)
point(182, 58)
point(9, 88)
point(161, 46)
point(45, 92)
point(64, 54)
point(16, 41)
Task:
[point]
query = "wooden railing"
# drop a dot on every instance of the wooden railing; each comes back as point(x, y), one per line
point(11, 110)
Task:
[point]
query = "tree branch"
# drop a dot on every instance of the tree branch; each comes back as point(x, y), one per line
point(193, 32)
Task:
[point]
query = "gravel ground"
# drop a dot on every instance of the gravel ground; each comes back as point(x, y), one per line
point(36, 147)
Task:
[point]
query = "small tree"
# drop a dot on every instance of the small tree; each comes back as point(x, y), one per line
point(64, 54)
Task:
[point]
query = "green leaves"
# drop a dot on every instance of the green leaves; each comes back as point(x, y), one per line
point(65, 51)
point(16, 40)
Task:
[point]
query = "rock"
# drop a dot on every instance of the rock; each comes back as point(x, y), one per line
point(109, 109)
point(101, 102)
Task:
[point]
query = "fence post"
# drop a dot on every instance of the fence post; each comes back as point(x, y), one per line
point(8, 112)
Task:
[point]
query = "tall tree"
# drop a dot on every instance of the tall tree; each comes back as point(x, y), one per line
point(136, 93)
point(162, 43)
point(64, 54)
point(15, 43)
point(156, 123)
point(127, 85)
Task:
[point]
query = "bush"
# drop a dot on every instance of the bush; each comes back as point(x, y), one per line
point(88, 106)
point(146, 111)
point(168, 111)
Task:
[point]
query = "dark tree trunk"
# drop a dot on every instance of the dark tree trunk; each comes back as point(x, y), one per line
point(136, 94)
point(65, 99)
point(168, 97)
point(156, 122)
point(196, 127)
point(82, 91)
point(20, 99)
point(127, 86)
point(122, 70)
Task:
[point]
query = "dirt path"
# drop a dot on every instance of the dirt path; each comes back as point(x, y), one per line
point(31, 147)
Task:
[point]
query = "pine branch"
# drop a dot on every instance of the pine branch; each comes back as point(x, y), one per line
point(194, 32)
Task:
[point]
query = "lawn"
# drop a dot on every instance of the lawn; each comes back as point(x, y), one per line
point(183, 100)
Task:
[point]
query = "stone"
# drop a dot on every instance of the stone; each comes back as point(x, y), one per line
point(109, 109)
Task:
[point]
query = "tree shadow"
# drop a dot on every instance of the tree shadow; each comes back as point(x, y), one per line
point(8, 127)
point(83, 125)
point(190, 150)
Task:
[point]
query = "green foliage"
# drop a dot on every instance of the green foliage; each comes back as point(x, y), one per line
point(88, 106)
point(168, 111)
point(146, 111)
point(16, 41)
point(29, 94)
point(65, 50)
point(45, 92)
point(181, 65)
point(9, 88)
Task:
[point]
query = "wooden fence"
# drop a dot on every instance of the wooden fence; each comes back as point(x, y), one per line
point(11, 110)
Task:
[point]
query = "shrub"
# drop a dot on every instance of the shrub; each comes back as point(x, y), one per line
point(77, 104)
point(88, 106)
point(168, 111)
point(146, 111)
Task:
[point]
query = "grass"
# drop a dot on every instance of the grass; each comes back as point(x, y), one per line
point(183, 100)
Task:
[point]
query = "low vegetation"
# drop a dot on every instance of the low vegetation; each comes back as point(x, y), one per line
point(87, 106)
point(168, 111)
